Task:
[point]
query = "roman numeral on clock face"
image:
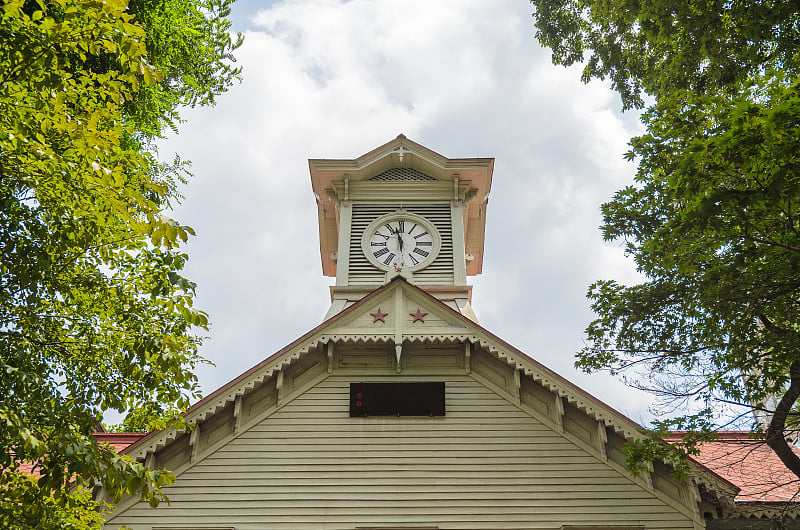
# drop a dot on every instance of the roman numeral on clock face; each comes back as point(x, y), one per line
point(388, 259)
point(421, 252)
point(424, 243)
point(414, 261)
point(389, 228)
point(378, 244)
point(420, 235)
point(380, 253)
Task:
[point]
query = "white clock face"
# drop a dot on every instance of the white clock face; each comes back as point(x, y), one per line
point(401, 240)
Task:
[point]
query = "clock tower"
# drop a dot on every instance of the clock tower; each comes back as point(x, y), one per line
point(429, 419)
point(402, 210)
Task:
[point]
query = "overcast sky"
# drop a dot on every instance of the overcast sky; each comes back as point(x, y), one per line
point(466, 78)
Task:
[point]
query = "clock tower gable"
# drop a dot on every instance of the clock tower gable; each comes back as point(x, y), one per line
point(398, 313)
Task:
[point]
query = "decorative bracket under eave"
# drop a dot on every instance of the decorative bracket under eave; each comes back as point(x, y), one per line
point(398, 351)
point(339, 192)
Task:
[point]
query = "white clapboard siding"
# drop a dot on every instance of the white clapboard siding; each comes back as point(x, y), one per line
point(486, 464)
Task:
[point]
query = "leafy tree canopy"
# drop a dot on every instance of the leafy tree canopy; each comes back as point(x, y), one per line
point(659, 46)
point(713, 219)
point(94, 312)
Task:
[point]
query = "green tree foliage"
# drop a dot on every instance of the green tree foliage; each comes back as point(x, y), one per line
point(713, 220)
point(192, 47)
point(94, 312)
point(26, 505)
point(660, 46)
point(713, 223)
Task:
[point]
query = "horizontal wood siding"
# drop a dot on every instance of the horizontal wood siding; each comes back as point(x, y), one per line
point(485, 464)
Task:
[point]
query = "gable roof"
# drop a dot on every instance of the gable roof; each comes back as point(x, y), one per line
point(750, 464)
point(450, 325)
point(469, 331)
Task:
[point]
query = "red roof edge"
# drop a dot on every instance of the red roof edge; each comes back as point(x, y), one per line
point(119, 438)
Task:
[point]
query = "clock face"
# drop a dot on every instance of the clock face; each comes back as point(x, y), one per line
point(401, 240)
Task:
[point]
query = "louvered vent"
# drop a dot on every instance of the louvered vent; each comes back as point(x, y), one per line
point(401, 173)
point(440, 272)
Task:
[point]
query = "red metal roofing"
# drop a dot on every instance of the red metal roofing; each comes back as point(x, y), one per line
point(118, 440)
point(751, 465)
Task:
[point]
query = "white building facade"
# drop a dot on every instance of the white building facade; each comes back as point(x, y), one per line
point(400, 411)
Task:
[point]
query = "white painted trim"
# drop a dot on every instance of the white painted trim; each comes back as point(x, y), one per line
point(237, 414)
point(459, 245)
point(343, 251)
point(194, 442)
point(198, 453)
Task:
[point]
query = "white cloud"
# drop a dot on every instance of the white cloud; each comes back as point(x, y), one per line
point(333, 79)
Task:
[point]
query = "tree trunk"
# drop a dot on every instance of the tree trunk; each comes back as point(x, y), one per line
point(775, 435)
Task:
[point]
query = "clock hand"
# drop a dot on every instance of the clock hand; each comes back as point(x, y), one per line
point(401, 261)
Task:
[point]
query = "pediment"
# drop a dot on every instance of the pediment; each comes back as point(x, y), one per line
point(401, 313)
point(415, 326)
point(401, 153)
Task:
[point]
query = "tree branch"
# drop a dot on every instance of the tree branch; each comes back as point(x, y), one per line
point(767, 323)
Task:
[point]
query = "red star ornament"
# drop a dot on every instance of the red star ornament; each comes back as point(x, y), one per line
point(418, 316)
point(379, 316)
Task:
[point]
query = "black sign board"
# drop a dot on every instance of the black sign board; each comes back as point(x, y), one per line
point(396, 399)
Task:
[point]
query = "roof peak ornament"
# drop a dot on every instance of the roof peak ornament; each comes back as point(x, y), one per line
point(401, 151)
